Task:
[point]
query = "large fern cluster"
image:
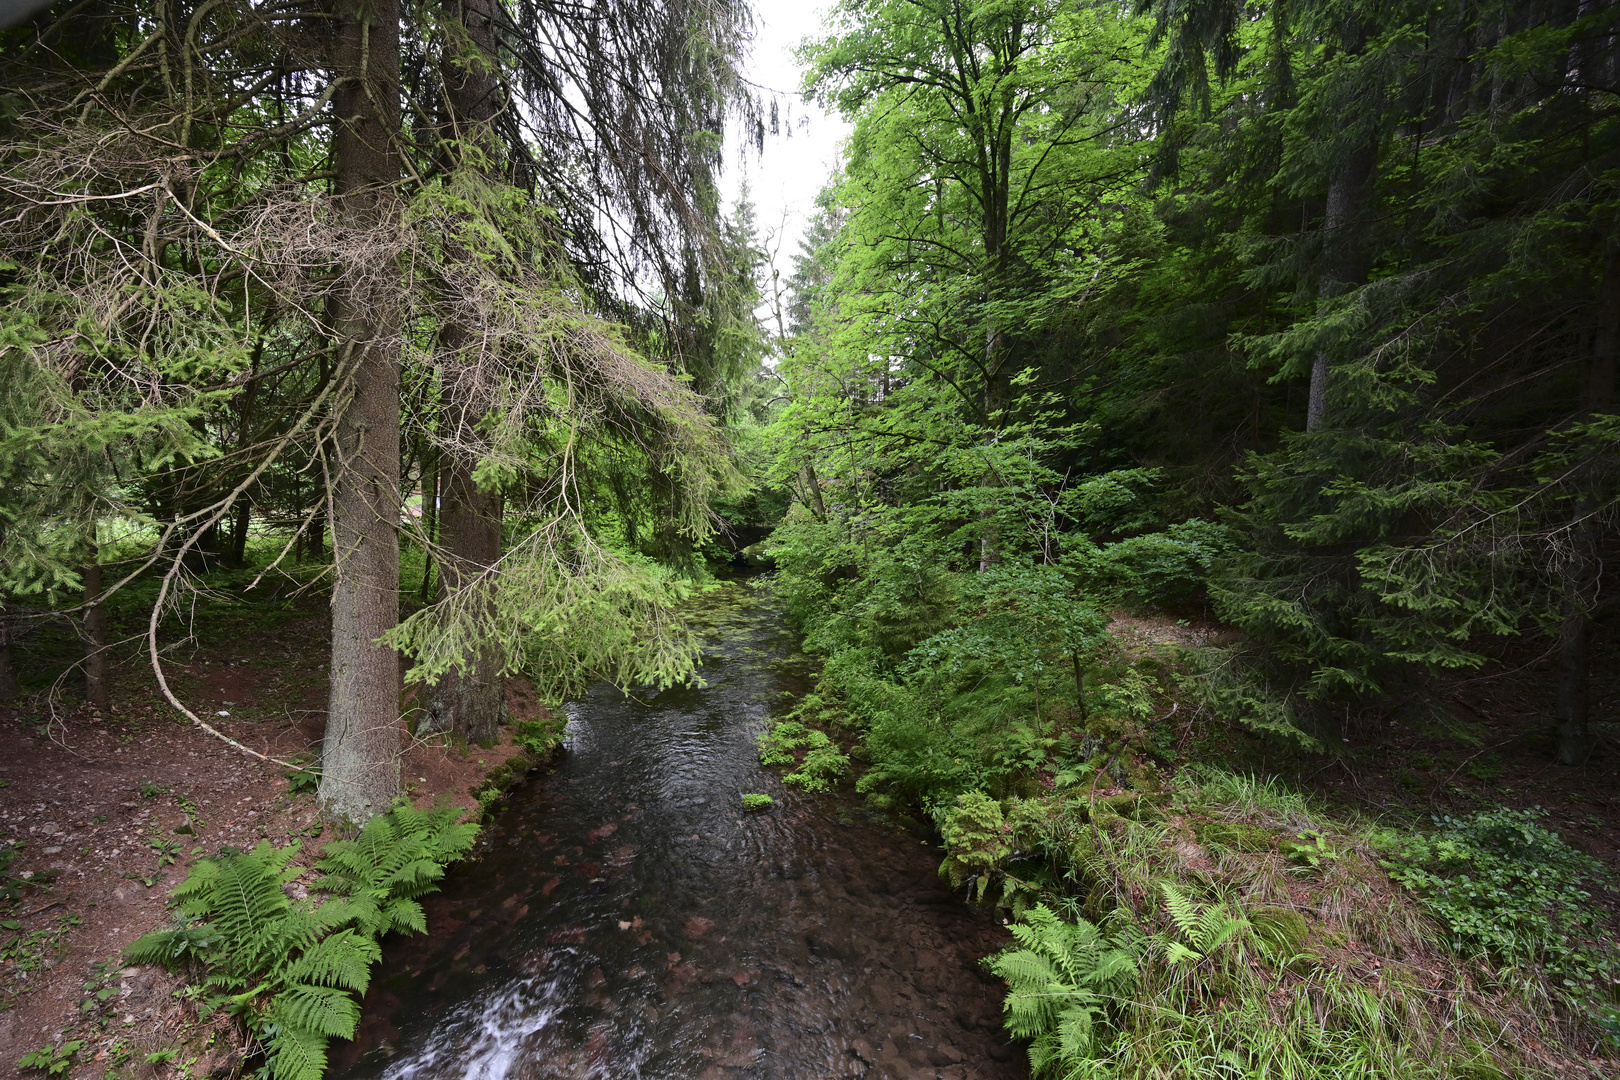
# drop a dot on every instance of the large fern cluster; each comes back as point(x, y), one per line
point(1062, 977)
point(294, 971)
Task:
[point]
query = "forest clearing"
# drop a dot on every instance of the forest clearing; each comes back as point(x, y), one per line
point(1114, 579)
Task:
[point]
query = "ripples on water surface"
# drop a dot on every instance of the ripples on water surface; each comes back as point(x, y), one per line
point(626, 919)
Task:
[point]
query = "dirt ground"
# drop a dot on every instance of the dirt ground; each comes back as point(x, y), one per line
point(103, 813)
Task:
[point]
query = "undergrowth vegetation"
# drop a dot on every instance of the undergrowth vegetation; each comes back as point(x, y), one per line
point(294, 971)
point(1174, 917)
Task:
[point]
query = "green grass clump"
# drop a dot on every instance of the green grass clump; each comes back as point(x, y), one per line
point(1153, 954)
point(753, 802)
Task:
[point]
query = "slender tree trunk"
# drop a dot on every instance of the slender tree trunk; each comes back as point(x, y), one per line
point(239, 531)
point(360, 755)
point(95, 635)
point(1584, 566)
point(471, 702)
point(237, 556)
point(430, 519)
point(812, 483)
point(9, 688)
point(1344, 255)
point(994, 415)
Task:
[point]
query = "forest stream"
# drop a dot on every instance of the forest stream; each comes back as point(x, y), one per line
point(626, 918)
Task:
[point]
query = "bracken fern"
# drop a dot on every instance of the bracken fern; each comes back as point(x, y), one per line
point(295, 971)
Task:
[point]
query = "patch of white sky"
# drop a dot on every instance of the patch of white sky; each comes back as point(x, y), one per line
point(783, 180)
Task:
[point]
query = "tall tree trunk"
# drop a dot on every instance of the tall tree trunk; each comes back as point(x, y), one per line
point(236, 557)
point(472, 701)
point(239, 532)
point(95, 634)
point(360, 755)
point(1344, 251)
point(812, 484)
point(430, 519)
point(9, 688)
point(1584, 566)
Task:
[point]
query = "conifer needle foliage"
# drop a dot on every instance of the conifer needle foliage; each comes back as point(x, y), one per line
point(295, 971)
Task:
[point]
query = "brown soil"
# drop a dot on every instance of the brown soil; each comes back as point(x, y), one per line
point(106, 812)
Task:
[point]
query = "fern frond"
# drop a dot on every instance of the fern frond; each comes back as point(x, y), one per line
point(1177, 953)
point(405, 916)
point(322, 1009)
point(342, 960)
point(1114, 970)
point(1183, 911)
point(296, 1054)
point(1216, 927)
point(1074, 1031)
point(1023, 967)
point(170, 947)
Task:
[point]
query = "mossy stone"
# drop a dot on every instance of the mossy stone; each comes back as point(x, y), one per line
point(1235, 836)
point(1283, 931)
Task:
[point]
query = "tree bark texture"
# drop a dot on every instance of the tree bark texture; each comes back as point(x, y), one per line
point(471, 702)
point(95, 635)
point(360, 755)
point(1584, 568)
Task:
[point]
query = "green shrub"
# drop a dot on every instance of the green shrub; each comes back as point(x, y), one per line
point(52, 1061)
point(1512, 891)
point(294, 972)
point(977, 838)
point(1162, 567)
point(753, 802)
point(539, 737)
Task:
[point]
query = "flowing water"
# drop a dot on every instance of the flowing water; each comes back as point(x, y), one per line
point(625, 918)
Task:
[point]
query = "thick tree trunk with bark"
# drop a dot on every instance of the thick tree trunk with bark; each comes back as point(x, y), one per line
point(360, 755)
point(95, 635)
point(471, 702)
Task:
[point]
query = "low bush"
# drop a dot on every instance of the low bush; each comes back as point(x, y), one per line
point(1515, 894)
point(822, 765)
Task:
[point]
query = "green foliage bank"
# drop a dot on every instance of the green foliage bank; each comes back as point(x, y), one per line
point(1301, 319)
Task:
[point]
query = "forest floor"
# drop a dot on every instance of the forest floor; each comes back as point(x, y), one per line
point(1464, 745)
point(102, 814)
